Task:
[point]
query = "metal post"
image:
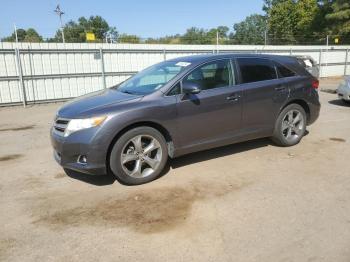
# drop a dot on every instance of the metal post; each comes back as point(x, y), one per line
point(31, 73)
point(164, 54)
point(103, 69)
point(320, 63)
point(16, 33)
point(346, 62)
point(62, 30)
point(290, 51)
point(20, 76)
point(327, 50)
point(217, 41)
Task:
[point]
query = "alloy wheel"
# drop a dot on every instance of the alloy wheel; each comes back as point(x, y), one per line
point(293, 125)
point(141, 156)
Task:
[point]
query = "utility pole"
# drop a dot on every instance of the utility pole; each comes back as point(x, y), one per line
point(14, 25)
point(217, 41)
point(59, 12)
point(265, 37)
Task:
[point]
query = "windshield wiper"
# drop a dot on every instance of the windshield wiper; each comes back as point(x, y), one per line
point(127, 92)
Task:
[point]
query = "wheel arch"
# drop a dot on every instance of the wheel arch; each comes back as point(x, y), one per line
point(300, 102)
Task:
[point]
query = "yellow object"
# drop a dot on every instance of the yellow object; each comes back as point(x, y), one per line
point(336, 40)
point(90, 37)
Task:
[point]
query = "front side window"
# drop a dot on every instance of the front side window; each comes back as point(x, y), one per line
point(256, 69)
point(152, 78)
point(212, 75)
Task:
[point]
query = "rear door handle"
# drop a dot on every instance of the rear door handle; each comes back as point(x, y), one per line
point(280, 88)
point(233, 98)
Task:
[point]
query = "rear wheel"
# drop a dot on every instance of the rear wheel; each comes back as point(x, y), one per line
point(290, 126)
point(138, 156)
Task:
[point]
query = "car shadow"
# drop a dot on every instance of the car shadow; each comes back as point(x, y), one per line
point(218, 152)
point(104, 180)
point(339, 102)
point(96, 180)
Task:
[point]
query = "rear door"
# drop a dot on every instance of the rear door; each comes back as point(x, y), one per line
point(263, 93)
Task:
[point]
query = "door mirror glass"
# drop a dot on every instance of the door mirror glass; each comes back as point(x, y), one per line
point(191, 88)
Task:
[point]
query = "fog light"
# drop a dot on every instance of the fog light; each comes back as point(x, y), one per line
point(82, 159)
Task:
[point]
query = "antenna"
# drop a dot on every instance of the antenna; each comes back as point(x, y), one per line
point(59, 12)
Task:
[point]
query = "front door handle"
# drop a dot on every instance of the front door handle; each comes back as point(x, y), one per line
point(233, 98)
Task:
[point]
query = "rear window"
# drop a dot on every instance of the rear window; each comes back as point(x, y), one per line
point(256, 69)
point(284, 71)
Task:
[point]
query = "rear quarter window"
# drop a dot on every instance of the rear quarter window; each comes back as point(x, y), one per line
point(284, 71)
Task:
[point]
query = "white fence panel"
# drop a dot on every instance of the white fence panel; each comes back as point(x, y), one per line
point(53, 71)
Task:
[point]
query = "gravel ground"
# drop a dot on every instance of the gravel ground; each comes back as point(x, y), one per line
point(247, 202)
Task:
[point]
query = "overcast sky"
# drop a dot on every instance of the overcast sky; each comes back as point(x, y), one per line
point(146, 18)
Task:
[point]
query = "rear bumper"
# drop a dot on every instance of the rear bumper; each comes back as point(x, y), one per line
point(314, 112)
point(67, 151)
point(344, 92)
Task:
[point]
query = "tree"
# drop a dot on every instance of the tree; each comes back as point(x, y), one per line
point(195, 36)
point(291, 21)
point(23, 35)
point(339, 17)
point(268, 4)
point(250, 31)
point(96, 25)
point(126, 38)
point(113, 34)
point(32, 36)
point(75, 32)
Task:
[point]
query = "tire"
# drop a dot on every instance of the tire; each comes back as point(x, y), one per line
point(346, 101)
point(133, 161)
point(290, 126)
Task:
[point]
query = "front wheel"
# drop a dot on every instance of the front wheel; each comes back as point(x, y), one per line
point(138, 156)
point(290, 126)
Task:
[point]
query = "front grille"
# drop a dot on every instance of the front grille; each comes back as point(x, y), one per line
point(60, 125)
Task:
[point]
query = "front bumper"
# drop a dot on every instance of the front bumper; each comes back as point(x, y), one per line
point(67, 151)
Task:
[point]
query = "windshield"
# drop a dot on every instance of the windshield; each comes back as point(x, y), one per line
point(152, 78)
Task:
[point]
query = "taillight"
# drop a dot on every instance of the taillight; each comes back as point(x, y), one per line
point(315, 84)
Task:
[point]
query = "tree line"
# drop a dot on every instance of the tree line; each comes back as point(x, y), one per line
point(282, 22)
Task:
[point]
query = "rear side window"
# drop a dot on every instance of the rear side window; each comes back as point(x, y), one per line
point(256, 69)
point(284, 71)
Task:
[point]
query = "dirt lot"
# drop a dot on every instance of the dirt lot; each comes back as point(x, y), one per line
point(247, 202)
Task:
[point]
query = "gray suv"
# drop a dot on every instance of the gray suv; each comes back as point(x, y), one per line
point(181, 106)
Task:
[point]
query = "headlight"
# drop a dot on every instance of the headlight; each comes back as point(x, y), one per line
point(79, 124)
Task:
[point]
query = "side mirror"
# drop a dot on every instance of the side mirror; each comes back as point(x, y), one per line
point(190, 88)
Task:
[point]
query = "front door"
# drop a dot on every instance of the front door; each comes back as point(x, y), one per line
point(215, 113)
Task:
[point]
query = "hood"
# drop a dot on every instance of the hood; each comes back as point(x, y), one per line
point(94, 103)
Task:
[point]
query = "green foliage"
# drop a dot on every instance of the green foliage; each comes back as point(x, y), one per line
point(291, 21)
point(75, 32)
point(29, 35)
point(339, 17)
point(250, 31)
point(126, 38)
